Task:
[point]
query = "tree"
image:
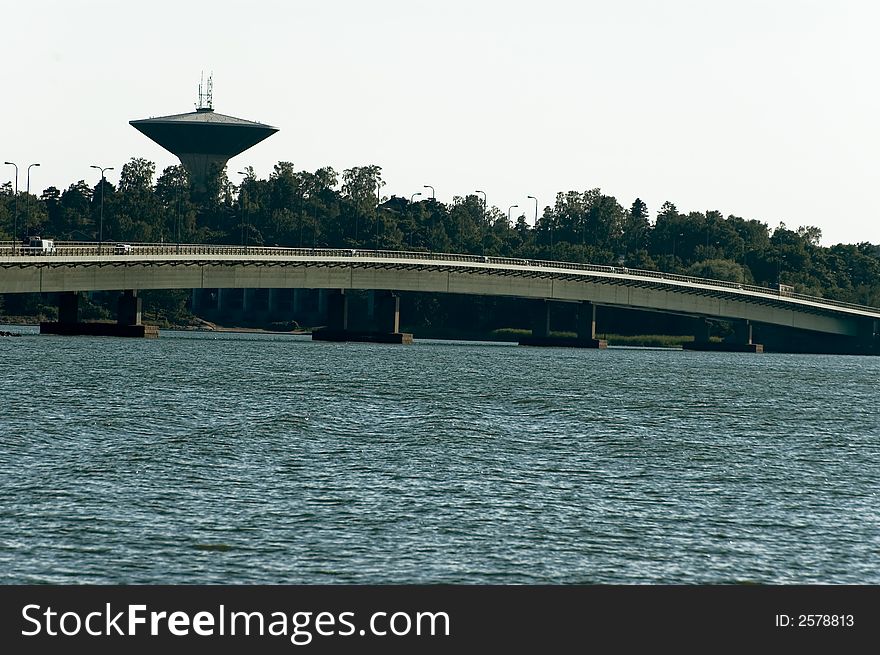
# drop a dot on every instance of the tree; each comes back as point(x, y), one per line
point(172, 191)
point(137, 176)
point(135, 215)
point(717, 269)
point(636, 227)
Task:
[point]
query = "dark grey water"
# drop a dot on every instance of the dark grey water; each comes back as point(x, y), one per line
point(233, 458)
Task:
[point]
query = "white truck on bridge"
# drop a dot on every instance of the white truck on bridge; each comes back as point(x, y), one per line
point(38, 246)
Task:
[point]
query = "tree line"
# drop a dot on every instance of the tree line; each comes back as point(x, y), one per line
point(325, 209)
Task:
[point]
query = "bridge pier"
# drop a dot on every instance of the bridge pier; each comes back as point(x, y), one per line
point(586, 328)
point(128, 308)
point(739, 342)
point(385, 320)
point(128, 319)
point(68, 308)
point(869, 337)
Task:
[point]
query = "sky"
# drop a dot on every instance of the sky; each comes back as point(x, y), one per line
point(761, 109)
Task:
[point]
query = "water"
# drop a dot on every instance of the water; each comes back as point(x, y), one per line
point(250, 458)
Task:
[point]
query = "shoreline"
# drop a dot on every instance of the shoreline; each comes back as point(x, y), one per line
point(658, 342)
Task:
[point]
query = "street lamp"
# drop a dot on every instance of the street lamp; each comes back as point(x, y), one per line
point(485, 213)
point(378, 201)
point(485, 207)
point(674, 237)
point(101, 225)
point(15, 211)
point(433, 198)
point(241, 202)
point(179, 185)
point(508, 213)
point(27, 211)
point(412, 227)
point(536, 211)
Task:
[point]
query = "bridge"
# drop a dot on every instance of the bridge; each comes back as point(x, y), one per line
point(75, 267)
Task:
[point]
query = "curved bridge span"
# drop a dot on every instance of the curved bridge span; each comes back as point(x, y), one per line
point(90, 267)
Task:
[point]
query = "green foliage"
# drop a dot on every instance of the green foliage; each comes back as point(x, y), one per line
point(310, 209)
point(648, 340)
point(717, 269)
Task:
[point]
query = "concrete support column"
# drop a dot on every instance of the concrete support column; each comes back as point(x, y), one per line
point(298, 301)
point(701, 331)
point(372, 301)
point(128, 323)
point(385, 327)
point(323, 295)
point(739, 342)
point(868, 339)
point(868, 329)
point(586, 328)
point(128, 308)
point(541, 319)
point(247, 296)
point(586, 321)
point(196, 300)
point(386, 311)
point(220, 300)
point(68, 307)
point(742, 333)
point(337, 310)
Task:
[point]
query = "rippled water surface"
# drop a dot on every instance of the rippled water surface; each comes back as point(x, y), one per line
point(241, 458)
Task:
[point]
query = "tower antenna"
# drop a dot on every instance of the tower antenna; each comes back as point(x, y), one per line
point(210, 99)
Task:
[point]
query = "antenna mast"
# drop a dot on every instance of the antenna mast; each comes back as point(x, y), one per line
point(206, 94)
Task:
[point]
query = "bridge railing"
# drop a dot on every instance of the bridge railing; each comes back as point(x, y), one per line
point(90, 249)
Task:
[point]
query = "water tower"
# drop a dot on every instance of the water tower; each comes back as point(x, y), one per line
point(203, 139)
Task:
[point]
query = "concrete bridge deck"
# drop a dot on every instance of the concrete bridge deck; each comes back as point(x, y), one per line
point(91, 267)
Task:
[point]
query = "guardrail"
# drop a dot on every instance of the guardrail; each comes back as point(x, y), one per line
point(88, 249)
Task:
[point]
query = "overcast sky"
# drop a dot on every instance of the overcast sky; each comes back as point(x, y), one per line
point(763, 109)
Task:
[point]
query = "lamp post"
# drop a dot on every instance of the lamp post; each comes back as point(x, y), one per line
point(241, 202)
point(378, 200)
point(485, 214)
point(27, 210)
point(433, 198)
point(101, 220)
point(509, 226)
point(179, 185)
point(674, 237)
point(535, 225)
point(485, 206)
point(314, 225)
point(412, 227)
point(15, 210)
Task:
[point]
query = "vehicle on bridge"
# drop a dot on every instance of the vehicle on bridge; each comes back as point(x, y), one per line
point(784, 289)
point(38, 246)
point(122, 249)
